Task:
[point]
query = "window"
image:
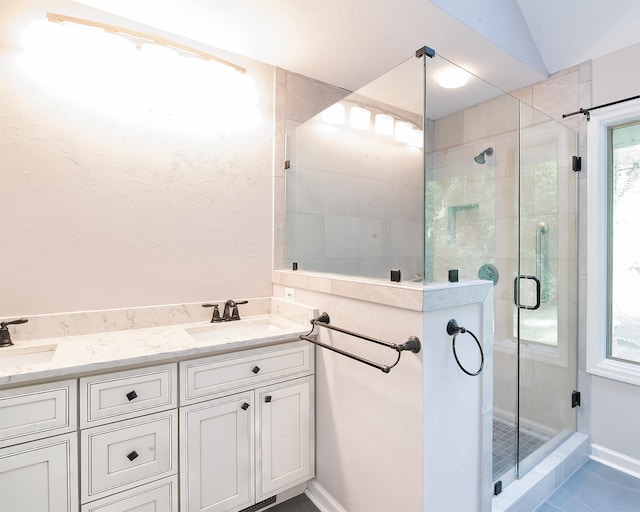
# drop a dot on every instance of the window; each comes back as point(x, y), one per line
point(613, 258)
point(624, 255)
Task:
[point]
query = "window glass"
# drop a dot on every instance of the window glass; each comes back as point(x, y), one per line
point(624, 247)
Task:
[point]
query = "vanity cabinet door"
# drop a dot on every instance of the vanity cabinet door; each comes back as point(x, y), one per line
point(206, 378)
point(127, 394)
point(160, 496)
point(285, 436)
point(217, 455)
point(28, 413)
point(128, 453)
point(40, 475)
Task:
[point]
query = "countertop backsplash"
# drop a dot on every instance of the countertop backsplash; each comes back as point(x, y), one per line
point(109, 320)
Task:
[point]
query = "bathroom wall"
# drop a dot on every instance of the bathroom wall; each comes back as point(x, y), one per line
point(369, 430)
point(401, 440)
point(369, 433)
point(354, 202)
point(614, 405)
point(607, 410)
point(476, 222)
point(101, 210)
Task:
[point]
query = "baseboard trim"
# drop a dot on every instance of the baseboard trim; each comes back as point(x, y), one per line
point(321, 498)
point(616, 460)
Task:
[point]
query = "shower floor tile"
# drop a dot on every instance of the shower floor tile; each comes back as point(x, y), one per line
point(504, 445)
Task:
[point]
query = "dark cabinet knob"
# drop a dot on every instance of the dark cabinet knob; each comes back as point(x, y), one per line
point(132, 395)
point(256, 369)
point(244, 406)
point(132, 456)
point(267, 398)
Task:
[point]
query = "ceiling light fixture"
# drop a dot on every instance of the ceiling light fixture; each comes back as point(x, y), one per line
point(360, 118)
point(417, 139)
point(383, 124)
point(403, 131)
point(453, 77)
point(62, 18)
point(335, 114)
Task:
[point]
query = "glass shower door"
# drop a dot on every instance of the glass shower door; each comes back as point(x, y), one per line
point(545, 288)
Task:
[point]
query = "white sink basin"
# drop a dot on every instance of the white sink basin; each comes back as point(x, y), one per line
point(15, 357)
point(250, 328)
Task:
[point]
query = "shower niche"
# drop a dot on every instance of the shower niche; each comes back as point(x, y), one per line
point(407, 174)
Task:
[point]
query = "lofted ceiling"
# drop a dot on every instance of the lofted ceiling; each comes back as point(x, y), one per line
point(348, 43)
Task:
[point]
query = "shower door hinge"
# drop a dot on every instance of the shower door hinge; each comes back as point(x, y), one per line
point(575, 399)
point(425, 50)
point(576, 163)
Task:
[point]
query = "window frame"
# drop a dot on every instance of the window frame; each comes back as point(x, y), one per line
point(598, 242)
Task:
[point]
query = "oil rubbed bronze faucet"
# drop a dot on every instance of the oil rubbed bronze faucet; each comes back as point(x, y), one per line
point(230, 311)
point(5, 335)
point(233, 306)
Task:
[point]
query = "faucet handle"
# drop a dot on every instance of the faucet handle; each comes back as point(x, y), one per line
point(216, 312)
point(235, 315)
point(14, 322)
point(5, 335)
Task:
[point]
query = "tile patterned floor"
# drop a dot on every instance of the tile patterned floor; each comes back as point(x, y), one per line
point(298, 504)
point(504, 445)
point(595, 488)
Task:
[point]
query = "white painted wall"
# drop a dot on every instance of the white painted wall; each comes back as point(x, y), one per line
point(402, 441)
point(100, 212)
point(615, 76)
point(615, 405)
point(616, 416)
point(369, 428)
point(458, 408)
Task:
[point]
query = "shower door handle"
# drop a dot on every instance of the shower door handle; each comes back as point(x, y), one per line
point(516, 291)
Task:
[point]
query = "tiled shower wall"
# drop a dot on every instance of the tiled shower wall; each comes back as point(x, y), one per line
point(348, 212)
point(297, 99)
point(354, 202)
point(455, 142)
point(564, 92)
point(484, 227)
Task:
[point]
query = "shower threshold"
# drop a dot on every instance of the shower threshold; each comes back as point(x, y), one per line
point(528, 492)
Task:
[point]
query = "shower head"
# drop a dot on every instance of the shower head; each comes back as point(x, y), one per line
point(480, 158)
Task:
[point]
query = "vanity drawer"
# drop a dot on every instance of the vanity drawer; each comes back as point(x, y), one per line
point(126, 454)
point(34, 412)
point(202, 378)
point(160, 496)
point(121, 395)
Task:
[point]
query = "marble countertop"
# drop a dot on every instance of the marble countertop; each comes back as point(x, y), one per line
point(87, 353)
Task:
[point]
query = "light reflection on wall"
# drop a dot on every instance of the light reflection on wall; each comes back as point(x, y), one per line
point(143, 84)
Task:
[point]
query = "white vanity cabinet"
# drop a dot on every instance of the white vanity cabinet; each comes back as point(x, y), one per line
point(249, 434)
point(39, 459)
point(131, 442)
point(285, 436)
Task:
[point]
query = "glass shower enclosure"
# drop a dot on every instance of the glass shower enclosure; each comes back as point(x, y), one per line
point(408, 175)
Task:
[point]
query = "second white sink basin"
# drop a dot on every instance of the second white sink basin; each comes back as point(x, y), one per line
point(246, 329)
point(16, 357)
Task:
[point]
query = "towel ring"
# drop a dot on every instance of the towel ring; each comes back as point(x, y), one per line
point(454, 329)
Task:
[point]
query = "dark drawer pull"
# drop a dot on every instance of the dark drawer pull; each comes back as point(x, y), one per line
point(132, 456)
point(132, 395)
point(267, 398)
point(244, 406)
point(256, 369)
